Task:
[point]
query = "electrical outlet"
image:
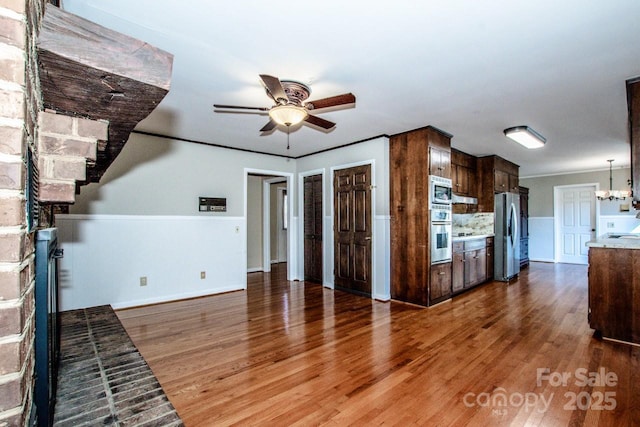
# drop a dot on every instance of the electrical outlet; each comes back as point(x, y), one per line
point(203, 274)
point(611, 225)
point(143, 281)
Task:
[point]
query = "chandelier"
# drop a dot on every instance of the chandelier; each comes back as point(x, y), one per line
point(612, 194)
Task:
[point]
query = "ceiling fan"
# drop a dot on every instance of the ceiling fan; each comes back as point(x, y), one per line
point(290, 108)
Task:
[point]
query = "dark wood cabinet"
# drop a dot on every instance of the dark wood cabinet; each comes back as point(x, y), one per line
point(490, 258)
point(476, 267)
point(469, 264)
point(460, 177)
point(524, 227)
point(495, 175)
point(500, 181)
point(440, 286)
point(457, 267)
point(614, 293)
point(410, 158)
point(463, 179)
point(440, 162)
point(505, 182)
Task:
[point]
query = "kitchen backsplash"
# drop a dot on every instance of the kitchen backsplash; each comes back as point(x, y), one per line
point(477, 223)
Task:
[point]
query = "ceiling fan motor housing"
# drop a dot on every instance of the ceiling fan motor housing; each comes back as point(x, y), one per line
point(296, 92)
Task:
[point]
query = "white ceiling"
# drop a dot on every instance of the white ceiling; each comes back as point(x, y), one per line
point(469, 68)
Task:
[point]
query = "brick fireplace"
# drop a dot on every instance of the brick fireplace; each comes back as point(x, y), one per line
point(50, 144)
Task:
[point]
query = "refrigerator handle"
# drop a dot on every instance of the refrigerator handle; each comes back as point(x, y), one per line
point(514, 224)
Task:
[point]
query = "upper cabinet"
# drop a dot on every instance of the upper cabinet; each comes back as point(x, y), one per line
point(633, 100)
point(495, 175)
point(440, 162)
point(463, 179)
point(463, 173)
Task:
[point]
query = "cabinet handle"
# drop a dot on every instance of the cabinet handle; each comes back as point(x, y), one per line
point(441, 273)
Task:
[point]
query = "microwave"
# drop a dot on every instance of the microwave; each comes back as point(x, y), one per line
point(439, 190)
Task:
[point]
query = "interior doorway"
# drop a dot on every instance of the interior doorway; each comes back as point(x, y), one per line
point(575, 214)
point(268, 218)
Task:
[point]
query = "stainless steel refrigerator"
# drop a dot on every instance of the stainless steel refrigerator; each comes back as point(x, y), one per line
point(507, 236)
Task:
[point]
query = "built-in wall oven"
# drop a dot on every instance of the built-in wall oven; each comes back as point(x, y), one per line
point(441, 233)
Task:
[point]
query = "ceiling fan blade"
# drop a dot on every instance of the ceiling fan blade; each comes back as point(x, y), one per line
point(315, 120)
point(275, 89)
point(333, 101)
point(240, 107)
point(269, 126)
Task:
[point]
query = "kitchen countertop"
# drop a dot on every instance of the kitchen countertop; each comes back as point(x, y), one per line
point(472, 237)
point(616, 241)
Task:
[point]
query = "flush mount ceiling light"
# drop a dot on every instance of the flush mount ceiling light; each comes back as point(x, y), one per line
point(288, 115)
point(526, 136)
point(612, 194)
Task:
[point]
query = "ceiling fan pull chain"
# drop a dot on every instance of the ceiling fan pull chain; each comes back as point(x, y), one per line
point(287, 137)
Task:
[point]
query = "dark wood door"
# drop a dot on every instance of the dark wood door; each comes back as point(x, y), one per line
point(313, 228)
point(352, 229)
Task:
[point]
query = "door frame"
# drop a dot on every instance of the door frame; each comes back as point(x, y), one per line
point(301, 177)
point(329, 259)
point(280, 192)
point(266, 221)
point(292, 258)
point(558, 210)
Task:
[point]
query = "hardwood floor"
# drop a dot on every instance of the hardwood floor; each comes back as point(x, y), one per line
point(295, 353)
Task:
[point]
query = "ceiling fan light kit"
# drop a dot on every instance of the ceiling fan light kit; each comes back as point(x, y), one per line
point(290, 109)
point(288, 115)
point(525, 136)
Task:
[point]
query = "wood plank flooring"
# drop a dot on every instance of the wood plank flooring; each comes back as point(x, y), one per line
point(295, 353)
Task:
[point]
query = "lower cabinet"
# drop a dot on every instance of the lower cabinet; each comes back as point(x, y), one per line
point(440, 286)
point(470, 265)
point(475, 267)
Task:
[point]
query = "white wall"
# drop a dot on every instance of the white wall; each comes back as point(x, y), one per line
point(142, 219)
point(106, 255)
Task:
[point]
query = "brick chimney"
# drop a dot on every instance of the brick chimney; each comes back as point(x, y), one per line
point(60, 147)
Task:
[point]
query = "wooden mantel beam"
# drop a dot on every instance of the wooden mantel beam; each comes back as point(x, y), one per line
point(91, 71)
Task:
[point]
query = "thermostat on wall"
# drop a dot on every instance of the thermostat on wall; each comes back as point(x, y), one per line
point(213, 204)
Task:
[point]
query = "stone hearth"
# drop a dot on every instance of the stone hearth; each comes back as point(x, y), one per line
point(103, 379)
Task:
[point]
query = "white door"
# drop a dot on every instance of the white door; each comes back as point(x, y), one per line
point(576, 219)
